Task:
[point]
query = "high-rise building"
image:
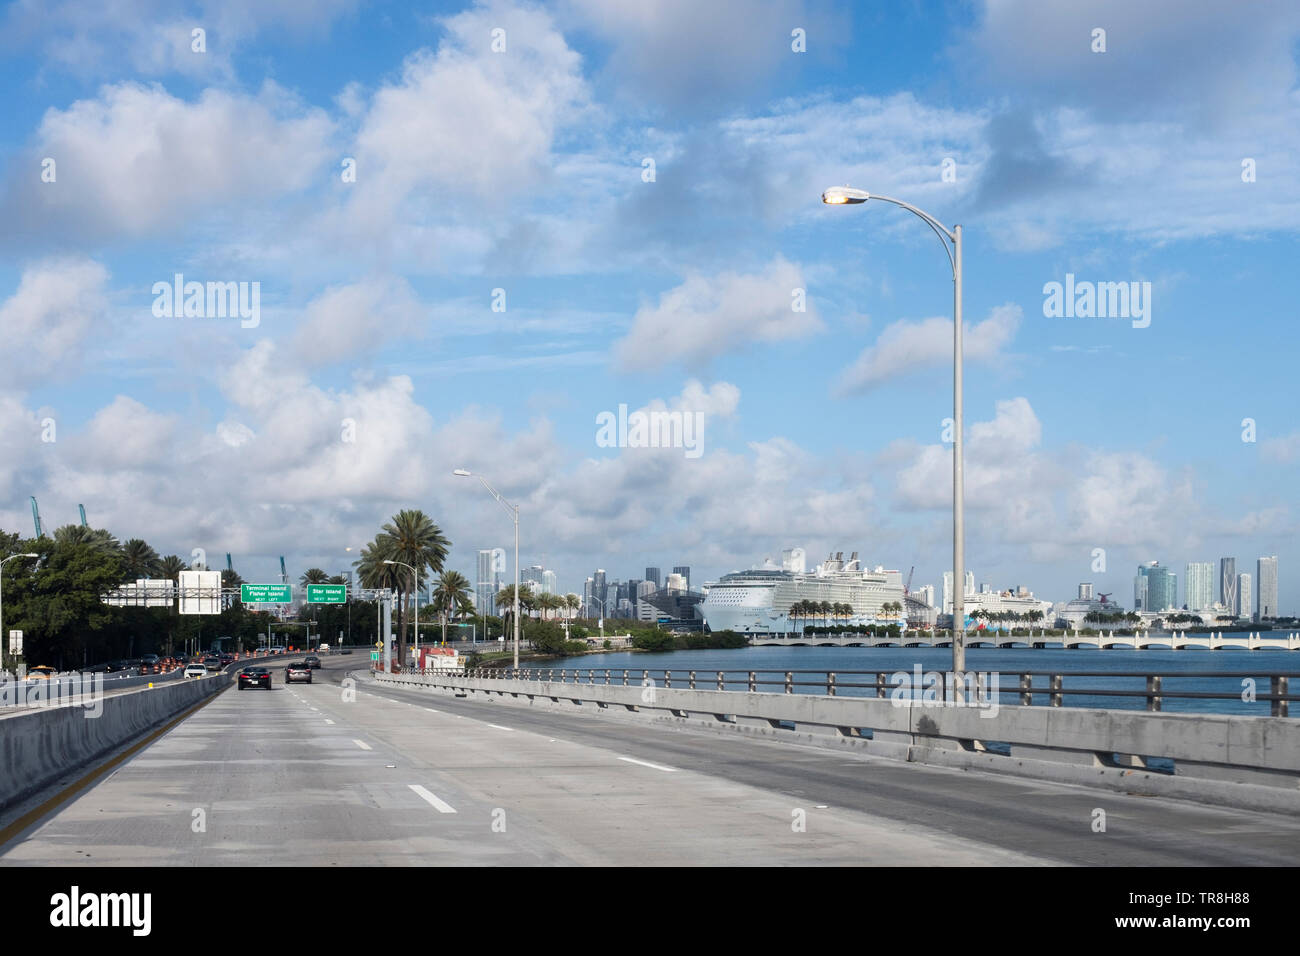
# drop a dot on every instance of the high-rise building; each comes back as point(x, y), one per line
point(1155, 588)
point(685, 571)
point(549, 583)
point(925, 594)
point(491, 568)
point(1228, 583)
point(947, 589)
point(676, 582)
point(1198, 589)
point(652, 574)
point(1243, 595)
point(1085, 592)
point(1266, 588)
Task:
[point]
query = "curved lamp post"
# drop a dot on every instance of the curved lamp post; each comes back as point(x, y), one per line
point(514, 513)
point(846, 195)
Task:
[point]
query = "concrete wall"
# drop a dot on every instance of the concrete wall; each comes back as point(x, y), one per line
point(1236, 761)
point(40, 745)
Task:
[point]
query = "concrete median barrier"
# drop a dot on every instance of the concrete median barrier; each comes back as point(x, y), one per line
point(40, 745)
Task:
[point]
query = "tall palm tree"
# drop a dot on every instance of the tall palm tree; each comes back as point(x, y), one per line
point(450, 597)
point(97, 538)
point(171, 566)
point(549, 602)
point(139, 560)
point(412, 538)
point(505, 601)
point(825, 608)
point(572, 602)
point(313, 576)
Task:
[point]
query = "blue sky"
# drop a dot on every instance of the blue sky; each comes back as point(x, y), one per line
point(522, 170)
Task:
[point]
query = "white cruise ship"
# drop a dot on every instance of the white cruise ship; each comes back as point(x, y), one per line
point(758, 601)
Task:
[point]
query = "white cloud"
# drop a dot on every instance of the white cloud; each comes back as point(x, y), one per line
point(350, 320)
point(905, 347)
point(709, 316)
point(47, 319)
point(1282, 450)
point(136, 160)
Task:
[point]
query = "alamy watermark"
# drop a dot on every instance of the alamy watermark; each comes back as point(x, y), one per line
point(209, 300)
point(654, 429)
point(977, 689)
point(1100, 300)
point(66, 690)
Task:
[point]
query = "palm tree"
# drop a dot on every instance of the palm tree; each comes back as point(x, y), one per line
point(505, 601)
point(97, 538)
point(412, 538)
point(139, 560)
point(313, 576)
point(548, 602)
point(171, 566)
point(572, 602)
point(451, 597)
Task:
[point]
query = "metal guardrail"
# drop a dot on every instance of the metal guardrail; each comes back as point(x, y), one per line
point(879, 684)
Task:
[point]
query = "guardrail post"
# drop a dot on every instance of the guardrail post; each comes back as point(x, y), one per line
point(1153, 692)
point(830, 683)
point(692, 680)
point(1026, 685)
point(881, 692)
point(668, 678)
point(753, 682)
point(625, 678)
point(645, 678)
point(1056, 683)
point(607, 675)
point(789, 682)
point(1279, 686)
point(721, 682)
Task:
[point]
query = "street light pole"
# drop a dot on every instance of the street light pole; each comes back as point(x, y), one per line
point(416, 583)
point(845, 195)
point(514, 513)
point(4, 637)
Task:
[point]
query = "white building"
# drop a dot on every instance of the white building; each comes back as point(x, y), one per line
point(1198, 589)
point(1266, 588)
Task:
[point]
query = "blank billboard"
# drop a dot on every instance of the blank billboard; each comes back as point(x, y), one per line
point(200, 592)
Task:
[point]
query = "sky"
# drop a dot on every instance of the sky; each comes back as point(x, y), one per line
point(466, 231)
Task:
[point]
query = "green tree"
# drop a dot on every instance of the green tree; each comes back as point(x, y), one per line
point(451, 598)
point(313, 576)
point(139, 560)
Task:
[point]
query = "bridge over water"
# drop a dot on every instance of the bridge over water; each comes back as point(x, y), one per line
point(1177, 640)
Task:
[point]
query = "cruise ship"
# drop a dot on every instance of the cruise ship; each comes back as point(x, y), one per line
point(758, 601)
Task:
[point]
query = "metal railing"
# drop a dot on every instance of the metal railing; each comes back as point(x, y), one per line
point(1051, 689)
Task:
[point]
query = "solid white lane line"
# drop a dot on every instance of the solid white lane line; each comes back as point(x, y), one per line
point(499, 727)
point(432, 711)
point(653, 766)
point(439, 805)
point(328, 721)
point(362, 744)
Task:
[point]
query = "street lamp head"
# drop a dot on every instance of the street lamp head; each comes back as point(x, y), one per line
point(842, 195)
point(31, 555)
point(462, 473)
point(389, 562)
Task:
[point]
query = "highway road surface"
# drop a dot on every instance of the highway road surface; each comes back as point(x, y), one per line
point(300, 775)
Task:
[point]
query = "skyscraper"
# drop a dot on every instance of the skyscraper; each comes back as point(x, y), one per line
point(1155, 588)
point(652, 574)
point(1228, 583)
point(1199, 587)
point(491, 565)
point(947, 589)
point(549, 583)
point(685, 571)
point(1243, 595)
point(1266, 587)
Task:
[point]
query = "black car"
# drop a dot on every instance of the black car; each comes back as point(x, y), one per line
point(312, 661)
point(297, 672)
point(256, 676)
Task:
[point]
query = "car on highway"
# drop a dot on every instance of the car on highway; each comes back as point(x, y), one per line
point(346, 650)
point(113, 667)
point(324, 648)
point(255, 675)
point(212, 663)
point(195, 670)
point(43, 671)
point(226, 658)
point(297, 672)
point(312, 661)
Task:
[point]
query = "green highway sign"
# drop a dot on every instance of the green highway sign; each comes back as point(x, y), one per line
point(265, 594)
point(327, 594)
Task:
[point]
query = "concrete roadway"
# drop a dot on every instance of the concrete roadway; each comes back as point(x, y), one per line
point(300, 776)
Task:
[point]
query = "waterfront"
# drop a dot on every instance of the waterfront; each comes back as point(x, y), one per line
point(1008, 663)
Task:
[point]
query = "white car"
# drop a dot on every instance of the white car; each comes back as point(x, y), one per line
point(323, 649)
point(196, 670)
